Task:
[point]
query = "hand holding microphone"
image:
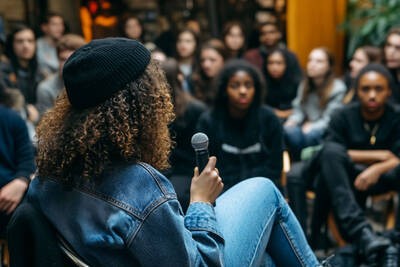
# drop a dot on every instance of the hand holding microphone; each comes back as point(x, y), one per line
point(206, 183)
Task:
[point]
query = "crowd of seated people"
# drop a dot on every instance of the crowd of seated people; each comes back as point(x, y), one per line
point(253, 105)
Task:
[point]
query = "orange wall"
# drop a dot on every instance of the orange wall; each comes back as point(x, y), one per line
point(312, 23)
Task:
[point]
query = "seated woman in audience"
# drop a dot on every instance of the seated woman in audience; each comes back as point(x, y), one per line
point(318, 96)
point(21, 71)
point(98, 153)
point(361, 57)
point(187, 45)
point(131, 27)
point(245, 135)
point(187, 112)
point(212, 59)
point(234, 39)
point(281, 83)
point(17, 161)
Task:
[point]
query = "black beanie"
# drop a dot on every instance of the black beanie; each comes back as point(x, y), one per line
point(97, 70)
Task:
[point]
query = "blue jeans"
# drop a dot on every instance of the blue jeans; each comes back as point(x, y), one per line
point(296, 139)
point(259, 228)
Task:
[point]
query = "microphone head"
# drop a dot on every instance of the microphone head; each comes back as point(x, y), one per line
point(200, 141)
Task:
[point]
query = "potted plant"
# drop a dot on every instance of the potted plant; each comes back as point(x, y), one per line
point(368, 21)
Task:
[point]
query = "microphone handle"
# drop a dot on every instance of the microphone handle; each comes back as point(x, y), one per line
point(201, 159)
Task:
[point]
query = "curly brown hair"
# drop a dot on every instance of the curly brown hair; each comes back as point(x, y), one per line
point(130, 126)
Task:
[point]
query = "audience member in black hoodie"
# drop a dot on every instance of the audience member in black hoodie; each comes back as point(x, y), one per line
point(245, 136)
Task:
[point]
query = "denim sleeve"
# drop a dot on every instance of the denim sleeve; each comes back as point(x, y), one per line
point(166, 238)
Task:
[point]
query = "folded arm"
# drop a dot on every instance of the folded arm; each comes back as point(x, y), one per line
point(379, 161)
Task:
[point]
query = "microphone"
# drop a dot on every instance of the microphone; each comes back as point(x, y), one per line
point(200, 146)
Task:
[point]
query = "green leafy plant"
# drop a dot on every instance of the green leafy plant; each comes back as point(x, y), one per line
point(368, 21)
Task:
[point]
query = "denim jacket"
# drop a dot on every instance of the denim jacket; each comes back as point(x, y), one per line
point(130, 218)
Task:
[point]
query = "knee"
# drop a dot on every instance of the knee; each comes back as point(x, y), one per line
point(333, 150)
point(260, 186)
point(295, 176)
point(292, 132)
point(314, 137)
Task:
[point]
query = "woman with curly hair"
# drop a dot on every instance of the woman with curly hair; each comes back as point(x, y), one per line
point(98, 184)
point(20, 69)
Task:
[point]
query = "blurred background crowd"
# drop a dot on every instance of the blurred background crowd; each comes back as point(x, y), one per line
point(262, 78)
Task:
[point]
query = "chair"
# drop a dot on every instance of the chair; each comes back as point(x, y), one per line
point(4, 255)
point(32, 241)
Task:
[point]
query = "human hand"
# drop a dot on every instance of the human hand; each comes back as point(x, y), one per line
point(289, 124)
point(33, 113)
point(306, 127)
point(208, 185)
point(11, 195)
point(283, 114)
point(367, 178)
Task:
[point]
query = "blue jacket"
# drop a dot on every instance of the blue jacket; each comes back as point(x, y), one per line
point(16, 150)
point(130, 218)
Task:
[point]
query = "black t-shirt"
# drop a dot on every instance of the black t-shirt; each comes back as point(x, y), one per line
point(348, 127)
